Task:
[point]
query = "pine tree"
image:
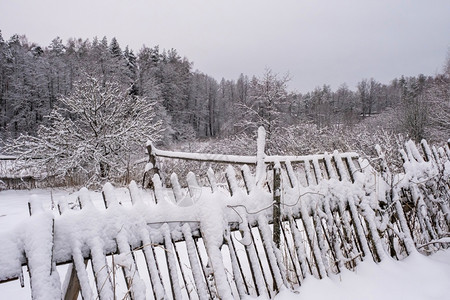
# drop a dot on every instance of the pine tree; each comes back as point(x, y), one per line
point(131, 62)
point(57, 47)
point(115, 48)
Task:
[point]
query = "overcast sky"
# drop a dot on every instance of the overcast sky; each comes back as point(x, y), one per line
point(316, 42)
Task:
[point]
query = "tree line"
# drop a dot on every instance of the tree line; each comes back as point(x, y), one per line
point(191, 104)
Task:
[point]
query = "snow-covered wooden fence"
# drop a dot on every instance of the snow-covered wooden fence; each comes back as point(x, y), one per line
point(215, 241)
point(13, 180)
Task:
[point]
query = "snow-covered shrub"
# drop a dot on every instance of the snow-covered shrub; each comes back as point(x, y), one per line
point(96, 133)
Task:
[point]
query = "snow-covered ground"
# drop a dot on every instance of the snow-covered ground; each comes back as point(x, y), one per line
point(417, 277)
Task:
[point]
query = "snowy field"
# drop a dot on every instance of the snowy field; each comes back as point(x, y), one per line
point(417, 277)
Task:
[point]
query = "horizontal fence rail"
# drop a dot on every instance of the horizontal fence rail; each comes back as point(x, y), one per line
point(236, 159)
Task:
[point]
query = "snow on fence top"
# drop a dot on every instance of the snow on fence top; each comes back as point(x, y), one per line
point(237, 159)
point(218, 241)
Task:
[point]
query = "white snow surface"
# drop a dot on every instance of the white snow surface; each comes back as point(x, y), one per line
point(416, 277)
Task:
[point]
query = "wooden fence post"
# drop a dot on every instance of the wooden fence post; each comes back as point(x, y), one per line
point(152, 158)
point(260, 156)
point(276, 204)
point(154, 169)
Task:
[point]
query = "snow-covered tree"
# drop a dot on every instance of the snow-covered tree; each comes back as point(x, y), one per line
point(415, 107)
point(94, 132)
point(265, 107)
point(115, 48)
point(438, 100)
point(368, 90)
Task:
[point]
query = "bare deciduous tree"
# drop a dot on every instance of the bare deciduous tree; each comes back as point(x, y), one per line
point(267, 104)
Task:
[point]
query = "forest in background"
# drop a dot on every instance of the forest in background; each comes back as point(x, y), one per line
point(194, 107)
